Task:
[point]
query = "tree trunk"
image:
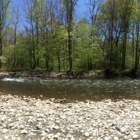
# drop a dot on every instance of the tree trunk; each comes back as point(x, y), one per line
point(70, 50)
point(37, 43)
point(124, 50)
point(70, 37)
point(0, 52)
point(137, 48)
point(15, 42)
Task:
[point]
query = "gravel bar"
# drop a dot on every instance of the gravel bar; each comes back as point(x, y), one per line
point(26, 118)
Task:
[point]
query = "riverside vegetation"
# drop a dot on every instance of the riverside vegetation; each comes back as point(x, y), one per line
point(50, 35)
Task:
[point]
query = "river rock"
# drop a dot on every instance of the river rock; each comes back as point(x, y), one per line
point(123, 130)
point(30, 118)
point(4, 130)
point(43, 133)
point(87, 134)
point(15, 138)
point(106, 138)
point(134, 135)
point(24, 131)
point(115, 138)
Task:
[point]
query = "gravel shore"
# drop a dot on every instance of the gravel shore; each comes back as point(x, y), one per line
point(25, 118)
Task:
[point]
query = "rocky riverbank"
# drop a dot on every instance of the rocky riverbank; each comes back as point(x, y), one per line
point(25, 118)
point(71, 74)
point(46, 74)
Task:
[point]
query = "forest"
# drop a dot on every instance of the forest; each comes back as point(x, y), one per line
point(50, 35)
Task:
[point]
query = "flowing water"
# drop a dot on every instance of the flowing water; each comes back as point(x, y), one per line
point(73, 89)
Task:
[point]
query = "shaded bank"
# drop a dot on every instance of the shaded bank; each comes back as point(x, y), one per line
point(46, 74)
point(107, 73)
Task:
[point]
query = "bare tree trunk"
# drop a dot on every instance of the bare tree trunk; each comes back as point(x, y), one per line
point(124, 51)
point(69, 5)
point(137, 47)
point(37, 42)
point(70, 47)
point(0, 51)
point(3, 10)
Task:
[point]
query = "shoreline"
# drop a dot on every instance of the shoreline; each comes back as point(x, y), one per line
point(46, 74)
point(69, 75)
point(29, 118)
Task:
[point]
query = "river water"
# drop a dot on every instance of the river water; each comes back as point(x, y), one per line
point(73, 89)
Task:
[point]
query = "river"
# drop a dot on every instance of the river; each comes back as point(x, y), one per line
point(73, 89)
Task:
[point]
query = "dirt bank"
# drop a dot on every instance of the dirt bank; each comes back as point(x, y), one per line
point(71, 74)
point(45, 74)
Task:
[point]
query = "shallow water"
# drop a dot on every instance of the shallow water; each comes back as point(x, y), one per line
point(73, 89)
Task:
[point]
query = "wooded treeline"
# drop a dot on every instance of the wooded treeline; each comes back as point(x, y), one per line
point(48, 34)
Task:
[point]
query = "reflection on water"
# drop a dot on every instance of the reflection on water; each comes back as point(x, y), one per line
point(96, 89)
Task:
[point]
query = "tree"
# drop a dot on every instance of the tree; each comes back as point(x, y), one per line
point(34, 14)
point(87, 53)
point(126, 8)
point(114, 22)
point(69, 8)
point(3, 15)
point(15, 21)
point(109, 28)
point(94, 7)
point(137, 34)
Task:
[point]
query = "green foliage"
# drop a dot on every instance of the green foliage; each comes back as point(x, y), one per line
point(113, 41)
point(87, 51)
